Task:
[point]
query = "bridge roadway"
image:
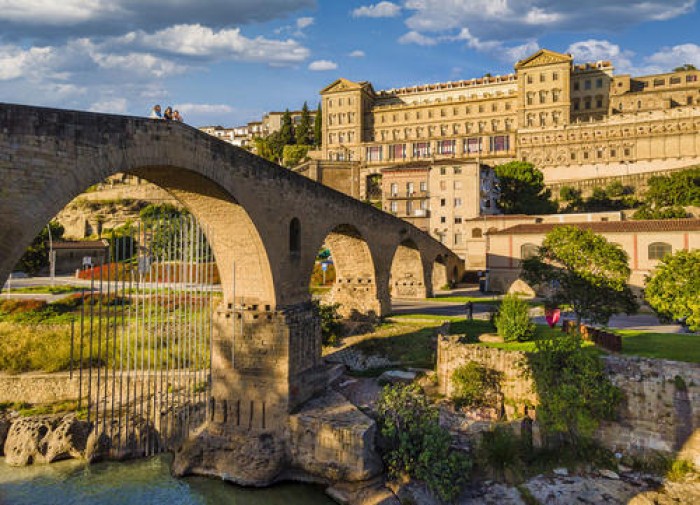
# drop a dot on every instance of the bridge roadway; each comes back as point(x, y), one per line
point(265, 225)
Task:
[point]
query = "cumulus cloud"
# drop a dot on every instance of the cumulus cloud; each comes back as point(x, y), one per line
point(321, 65)
point(203, 42)
point(203, 108)
point(16, 61)
point(50, 18)
point(509, 20)
point(380, 10)
point(357, 54)
point(595, 50)
point(414, 37)
point(304, 22)
point(110, 106)
point(669, 58)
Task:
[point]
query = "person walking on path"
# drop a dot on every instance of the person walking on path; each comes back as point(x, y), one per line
point(470, 310)
point(155, 112)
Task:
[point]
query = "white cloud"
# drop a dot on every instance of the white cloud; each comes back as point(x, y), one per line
point(203, 108)
point(139, 63)
point(17, 62)
point(670, 57)
point(517, 53)
point(110, 106)
point(380, 10)
point(414, 37)
point(507, 21)
point(595, 50)
point(46, 19)
point(357, 54)
point(320, 65)
point(203, 42)
point(50, 12)
point(304, 22)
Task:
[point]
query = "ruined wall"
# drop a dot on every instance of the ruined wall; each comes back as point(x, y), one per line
point(659, 411)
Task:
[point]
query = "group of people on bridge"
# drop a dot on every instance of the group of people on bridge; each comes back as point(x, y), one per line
point(169, 114)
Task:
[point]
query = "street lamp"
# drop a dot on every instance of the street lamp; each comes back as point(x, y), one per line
point(52, 258)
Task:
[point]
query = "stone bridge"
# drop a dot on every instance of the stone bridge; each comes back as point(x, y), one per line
point(265, 222)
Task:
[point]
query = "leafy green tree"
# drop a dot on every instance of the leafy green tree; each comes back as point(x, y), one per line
point(415, 445)
point(673, 288)
point(679, 188)
point(318, 128)
point(522, 189)
point(293, 155)
point(36, 256)
point(513, 320)
point(686, 66)
point(287, 129)
point(303, 130)
point(575, 392)
point(583, 270)
point(647, 212)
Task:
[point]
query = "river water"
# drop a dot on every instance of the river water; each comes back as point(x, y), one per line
point(139, 482)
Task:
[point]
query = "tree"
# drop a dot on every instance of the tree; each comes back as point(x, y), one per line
point(513, 320)
point(584, 271)
point(318, 128)
point(522, 189)
point(293, 155)
point(303, 131)
point(287, 130)
point(684, 67)
point(679, 188)
point(36, 256)
point(673, 288)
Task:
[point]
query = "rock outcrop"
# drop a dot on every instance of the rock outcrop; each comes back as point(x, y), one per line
point(46, 439)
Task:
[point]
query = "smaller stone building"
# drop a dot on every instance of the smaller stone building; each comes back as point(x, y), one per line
point(645, 243)
point(72, 256)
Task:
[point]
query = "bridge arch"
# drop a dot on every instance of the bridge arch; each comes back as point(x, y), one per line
point(440, 276)
point(408, 274)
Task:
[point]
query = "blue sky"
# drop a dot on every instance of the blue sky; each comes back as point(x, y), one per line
point(229, 61)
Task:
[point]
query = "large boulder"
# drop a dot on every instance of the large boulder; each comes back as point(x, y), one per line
point(45, 439)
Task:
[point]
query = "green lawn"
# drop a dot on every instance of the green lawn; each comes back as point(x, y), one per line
point(410, 344)
point(486, 300)
point(673, 346)
point(53, 290)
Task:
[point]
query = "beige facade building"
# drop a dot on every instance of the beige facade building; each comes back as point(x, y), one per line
point(645, 243)
point(572, 121)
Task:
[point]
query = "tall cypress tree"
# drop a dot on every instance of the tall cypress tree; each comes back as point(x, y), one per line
point(318, 127)
point(304, 129)
point(287, 130)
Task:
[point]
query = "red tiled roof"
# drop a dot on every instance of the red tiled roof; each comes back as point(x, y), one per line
point(81, 244)
point(656, 225)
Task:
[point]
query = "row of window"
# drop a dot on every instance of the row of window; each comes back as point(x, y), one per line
point(341, 137)
point(341, 101)
point(542, 77)
point(410, 207)
point(434, 131)
point(444, 112)
point(588, 84)
point(472, 145)
point(655, 251)
point(587, 102)
point(673, 80)
point(531, 119)
point(543, 94)
point(410, 188)
point(341, 118)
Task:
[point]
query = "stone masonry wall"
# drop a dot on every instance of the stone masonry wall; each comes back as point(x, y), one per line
point(660, 410)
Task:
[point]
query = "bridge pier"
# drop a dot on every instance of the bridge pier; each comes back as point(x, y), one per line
point(265, 365)
point(359, 295)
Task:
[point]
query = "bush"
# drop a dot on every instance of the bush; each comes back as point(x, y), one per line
point(415, 445)
point(513, 320)
point(501, 451)
point(331, 327)
point(574, 390)
point(474, 385)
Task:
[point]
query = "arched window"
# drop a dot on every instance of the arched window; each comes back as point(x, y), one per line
point(528, 251)
point(476, 232)
point(295, 236)
point(658, 250)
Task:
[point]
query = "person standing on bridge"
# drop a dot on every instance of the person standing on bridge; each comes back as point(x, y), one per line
point(168, 114)
point(155, 112)
point(177, 116)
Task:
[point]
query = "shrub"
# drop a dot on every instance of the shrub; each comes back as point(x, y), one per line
point(415, 445)
point(500, 451)
point(513, 320)
point(331, 327)
point(474, 385)
point(575, 392)
point(680, 468)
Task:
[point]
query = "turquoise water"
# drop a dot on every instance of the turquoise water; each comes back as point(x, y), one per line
point(141, 482)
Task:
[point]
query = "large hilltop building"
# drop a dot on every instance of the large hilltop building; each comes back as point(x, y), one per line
point(571, 121)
